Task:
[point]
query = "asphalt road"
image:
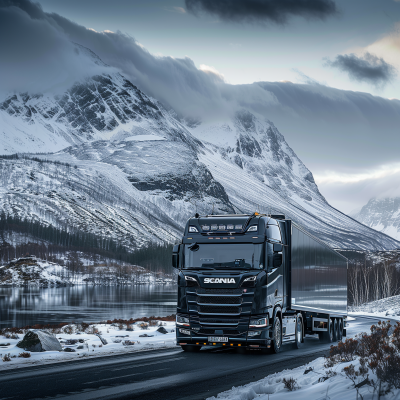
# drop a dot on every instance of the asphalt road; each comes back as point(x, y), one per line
point(163, 374)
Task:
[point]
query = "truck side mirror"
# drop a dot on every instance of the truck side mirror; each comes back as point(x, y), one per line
point(277, 260)
point(175, 256)
point(277, 247)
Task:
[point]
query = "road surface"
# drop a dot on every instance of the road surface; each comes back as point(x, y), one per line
point(159, 374)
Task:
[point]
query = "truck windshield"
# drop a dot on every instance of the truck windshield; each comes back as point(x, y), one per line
point(216, 256)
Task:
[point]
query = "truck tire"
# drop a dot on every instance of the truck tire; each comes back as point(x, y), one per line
point(299, 335)
point(191, 348)
point(340, 330)
point(335, 330)
point(276, 335)
point(327, 337)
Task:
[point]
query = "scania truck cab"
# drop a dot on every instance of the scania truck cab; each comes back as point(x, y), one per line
point(256, 281)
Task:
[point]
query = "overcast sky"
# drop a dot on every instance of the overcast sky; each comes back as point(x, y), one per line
point(330, 70)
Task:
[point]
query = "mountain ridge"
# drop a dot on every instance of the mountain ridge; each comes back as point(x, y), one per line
point(121, 165)
point(382, 214)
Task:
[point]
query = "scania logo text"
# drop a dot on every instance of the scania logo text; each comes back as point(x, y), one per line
point(219, 280)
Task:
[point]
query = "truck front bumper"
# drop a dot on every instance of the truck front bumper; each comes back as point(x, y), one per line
point(241, 339)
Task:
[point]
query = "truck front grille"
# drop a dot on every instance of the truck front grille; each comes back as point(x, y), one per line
point(218, 300)
point(209, 309)
point(219, 321)
point(219, 291)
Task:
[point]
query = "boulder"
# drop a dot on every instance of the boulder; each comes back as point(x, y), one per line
point(161, 329)
point(36, 340)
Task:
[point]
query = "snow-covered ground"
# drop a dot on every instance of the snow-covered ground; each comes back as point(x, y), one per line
point(89, 345)
point(388, 308)
point(319, 383)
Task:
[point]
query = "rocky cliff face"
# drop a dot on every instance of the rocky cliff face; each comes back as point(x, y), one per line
point(120, 165)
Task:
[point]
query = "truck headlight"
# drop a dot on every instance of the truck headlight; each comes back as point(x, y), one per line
point(249, 282)
point(182, 321)
point(258, 323)
point(253, 333)
point(190, 281)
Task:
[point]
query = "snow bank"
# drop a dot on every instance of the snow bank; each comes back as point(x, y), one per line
point(81, 345)
point(313, 381)
point(388, 308)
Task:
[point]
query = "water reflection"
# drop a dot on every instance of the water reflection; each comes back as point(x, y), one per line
point(28, 306)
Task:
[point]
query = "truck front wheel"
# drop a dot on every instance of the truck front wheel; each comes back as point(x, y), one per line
point(191, 348)
point(277, 335)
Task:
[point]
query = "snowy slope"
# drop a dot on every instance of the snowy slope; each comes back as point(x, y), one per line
point(136, 173)
point(33, 272)
point(382, 215)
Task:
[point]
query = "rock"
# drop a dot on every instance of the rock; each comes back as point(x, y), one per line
point(146, 335)
point(69, 350)
point(128, 343)
point(36, 340)
point(161, 329)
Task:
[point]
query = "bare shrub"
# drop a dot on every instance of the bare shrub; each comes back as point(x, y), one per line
point(329, 374)
point(24, 355)
point(144, 326)
point(343, 352)
point(69, 329)
point(84, 326)
point(290, 384)
point(6, 357)
point(378, 351)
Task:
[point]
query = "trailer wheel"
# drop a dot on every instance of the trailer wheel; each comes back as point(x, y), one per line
point(335, 330)
point(191, 348)
point(327, 337)
point(277, 335)
point(299, 332)
point(340, 330)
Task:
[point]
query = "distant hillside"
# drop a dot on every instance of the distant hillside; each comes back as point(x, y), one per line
point(32, 271)
point(382, 215)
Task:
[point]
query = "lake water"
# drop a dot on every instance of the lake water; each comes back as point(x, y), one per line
point(28, 306)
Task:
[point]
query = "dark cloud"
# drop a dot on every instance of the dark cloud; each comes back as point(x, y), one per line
point(367, 68)
point(260, 11)
point(35, 55)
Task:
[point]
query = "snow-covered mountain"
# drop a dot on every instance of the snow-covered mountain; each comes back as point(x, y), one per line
point(382, 215)
point(119, 164)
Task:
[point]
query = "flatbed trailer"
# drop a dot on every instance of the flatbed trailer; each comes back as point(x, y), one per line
point(256, 281)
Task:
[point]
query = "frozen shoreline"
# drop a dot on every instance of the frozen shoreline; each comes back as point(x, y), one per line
point(119, 341)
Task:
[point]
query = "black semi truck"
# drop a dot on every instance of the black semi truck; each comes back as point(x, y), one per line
point(256, 281)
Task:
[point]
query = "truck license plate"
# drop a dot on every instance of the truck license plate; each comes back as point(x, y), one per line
point(217, 339)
